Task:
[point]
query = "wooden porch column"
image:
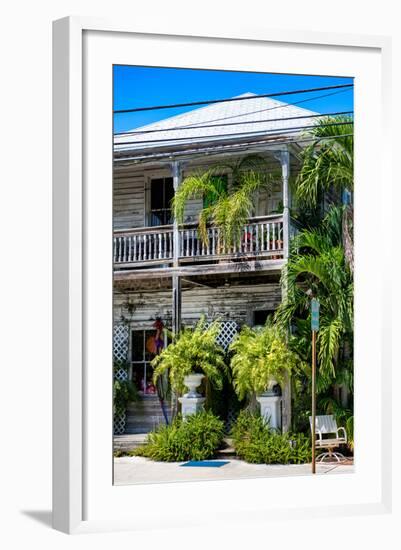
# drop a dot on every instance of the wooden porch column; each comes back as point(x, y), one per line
point(176, 280)
point(284, 159)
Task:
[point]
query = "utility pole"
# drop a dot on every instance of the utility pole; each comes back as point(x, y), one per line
point(315, 327)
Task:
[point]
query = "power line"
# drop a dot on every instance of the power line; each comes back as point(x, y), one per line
point(175, 128)
point(281, 106)
point(213, 136)
point(211, 101)
point(230, 148)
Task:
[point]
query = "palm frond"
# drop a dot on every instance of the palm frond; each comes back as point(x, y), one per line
point(328, 161)
point(201, 184)
point(328, 340)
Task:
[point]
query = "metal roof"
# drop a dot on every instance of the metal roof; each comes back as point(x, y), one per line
point(248, 112)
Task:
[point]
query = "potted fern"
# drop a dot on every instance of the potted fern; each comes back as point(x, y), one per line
point(193, 355)
point(261, 359)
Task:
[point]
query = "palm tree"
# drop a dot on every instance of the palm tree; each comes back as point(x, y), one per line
point(328, 164)
point(227, 209)
point(317, 262)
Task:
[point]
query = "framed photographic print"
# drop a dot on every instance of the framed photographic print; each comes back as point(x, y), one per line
point(219, 243)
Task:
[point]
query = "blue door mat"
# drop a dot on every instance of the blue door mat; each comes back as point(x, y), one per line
point(206, 463)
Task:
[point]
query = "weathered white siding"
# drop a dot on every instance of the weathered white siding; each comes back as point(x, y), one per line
point(128, 198)
point(132, 201)
point(236, 302)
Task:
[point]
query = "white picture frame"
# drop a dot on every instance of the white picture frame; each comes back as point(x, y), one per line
point(74, 436)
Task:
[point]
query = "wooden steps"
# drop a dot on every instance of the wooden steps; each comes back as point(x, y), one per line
point(227, 450)
point(144, 415)
point(128, 442)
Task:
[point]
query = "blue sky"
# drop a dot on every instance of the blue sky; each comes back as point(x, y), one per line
point(147, 86)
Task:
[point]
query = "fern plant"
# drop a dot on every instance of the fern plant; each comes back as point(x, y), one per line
point(193, 351)
point(261, 355)
point(228, 210)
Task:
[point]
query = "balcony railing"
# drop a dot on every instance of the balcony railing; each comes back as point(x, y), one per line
point(261, 237)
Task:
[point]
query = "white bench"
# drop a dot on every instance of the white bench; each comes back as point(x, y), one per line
point(328, 437)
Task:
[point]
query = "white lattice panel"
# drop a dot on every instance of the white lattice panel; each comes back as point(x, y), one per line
point(119, 423)
point(227, 333)
point(232, 415)
point(121, 375)
point(120, 342)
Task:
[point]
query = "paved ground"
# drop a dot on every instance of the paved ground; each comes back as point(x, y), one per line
point(131, 470)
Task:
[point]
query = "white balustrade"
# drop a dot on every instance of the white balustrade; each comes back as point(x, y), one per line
point(132, 247)
point(259, 237)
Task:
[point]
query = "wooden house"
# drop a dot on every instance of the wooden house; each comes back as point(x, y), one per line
point(164, 270)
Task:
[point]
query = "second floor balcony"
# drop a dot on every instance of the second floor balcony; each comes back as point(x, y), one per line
point(260, 238)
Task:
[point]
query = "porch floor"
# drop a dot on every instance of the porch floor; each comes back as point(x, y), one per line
point(139, 470)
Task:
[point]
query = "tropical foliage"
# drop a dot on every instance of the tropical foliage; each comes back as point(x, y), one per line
point(328, 165)
point(317, 266)
point(256, 443)
point(228, 209)
point(196, 437)
point(261, 355)
point(124, 391)
point(328, 162)
point(192, 351)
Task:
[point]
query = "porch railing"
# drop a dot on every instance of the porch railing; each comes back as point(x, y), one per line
point(145, 244)
point(262, 236)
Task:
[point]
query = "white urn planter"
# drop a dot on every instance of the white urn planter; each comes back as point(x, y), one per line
point(270, 406)
point(192, 401)
point(192, 382)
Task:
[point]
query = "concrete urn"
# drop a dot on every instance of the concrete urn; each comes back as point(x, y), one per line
point(192, 382)
point(270, 406)
point(192, 402)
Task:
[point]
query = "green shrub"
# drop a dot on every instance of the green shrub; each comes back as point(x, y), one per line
point(195, 438)
point(124, 391)
point(256, 443)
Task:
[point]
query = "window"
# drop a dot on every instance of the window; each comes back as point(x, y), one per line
point(260, 316)
point(161, 194)
point(142, 370)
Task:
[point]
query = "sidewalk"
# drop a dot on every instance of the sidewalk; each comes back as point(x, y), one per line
point(132, 470)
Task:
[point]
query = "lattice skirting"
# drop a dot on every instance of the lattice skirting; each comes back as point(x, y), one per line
point(232, 415)
point(121, 375)
point(119, 422)
point(120, 342)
